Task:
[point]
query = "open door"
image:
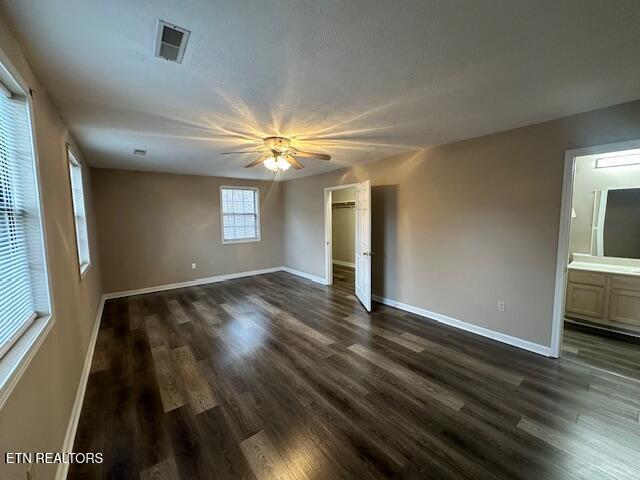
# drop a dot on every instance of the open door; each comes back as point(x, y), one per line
point(363, 244)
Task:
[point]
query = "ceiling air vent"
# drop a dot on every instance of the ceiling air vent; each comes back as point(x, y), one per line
point(171, 41)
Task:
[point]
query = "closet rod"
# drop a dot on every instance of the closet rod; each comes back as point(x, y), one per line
point(343, 205)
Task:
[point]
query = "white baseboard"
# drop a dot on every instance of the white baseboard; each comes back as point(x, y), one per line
point(218, 278)
point(191, 283)
point(485, 332)
point(342, 263)
point(308, 276)
point(72, 426)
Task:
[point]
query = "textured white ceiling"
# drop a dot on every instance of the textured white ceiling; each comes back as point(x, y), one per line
point(357, 79)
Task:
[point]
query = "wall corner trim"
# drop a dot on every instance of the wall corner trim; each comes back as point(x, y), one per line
point(308, 276)
point(72, 426)
point(453, 322)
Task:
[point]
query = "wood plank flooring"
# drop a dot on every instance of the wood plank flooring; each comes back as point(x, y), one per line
point(612, 352)
point(276, 377)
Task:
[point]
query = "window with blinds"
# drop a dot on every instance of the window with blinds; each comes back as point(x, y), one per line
point(23, 295)
point(80, 218)
point(240, 214)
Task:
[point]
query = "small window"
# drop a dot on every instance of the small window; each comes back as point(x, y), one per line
point(240, 214)
point(79, 213)
point(619, 159)
point(23, 285)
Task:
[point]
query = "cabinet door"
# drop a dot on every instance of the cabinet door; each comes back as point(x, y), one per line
point(585, 300)
point(624, 307)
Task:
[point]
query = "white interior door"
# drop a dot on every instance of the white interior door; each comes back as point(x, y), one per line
point(363, 244)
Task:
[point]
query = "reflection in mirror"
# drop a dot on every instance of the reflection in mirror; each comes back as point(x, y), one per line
point(616, 223)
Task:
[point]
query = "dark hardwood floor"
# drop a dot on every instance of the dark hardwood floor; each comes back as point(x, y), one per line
point(615, 353)
point(274, 376)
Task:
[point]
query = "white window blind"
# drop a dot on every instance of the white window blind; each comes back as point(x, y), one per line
point(240, 214)
point(80, 218)
point(21, 263)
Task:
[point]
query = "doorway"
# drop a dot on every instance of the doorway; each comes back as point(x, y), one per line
point(348, 238)
point(597, 296)
point(343, 238)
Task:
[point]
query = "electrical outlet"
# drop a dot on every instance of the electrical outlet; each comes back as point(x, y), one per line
point(502, 306)
point(193, 266)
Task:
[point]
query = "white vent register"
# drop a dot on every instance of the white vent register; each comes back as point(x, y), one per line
point(171, 41)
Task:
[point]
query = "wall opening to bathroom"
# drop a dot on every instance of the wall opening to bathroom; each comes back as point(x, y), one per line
point(600, 315)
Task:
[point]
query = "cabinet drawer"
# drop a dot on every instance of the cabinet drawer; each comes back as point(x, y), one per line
point(588, 278)
point(624, 306)
point(585, 300)
point(624, 282)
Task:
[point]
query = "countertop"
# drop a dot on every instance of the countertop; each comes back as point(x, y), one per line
point(605, 268)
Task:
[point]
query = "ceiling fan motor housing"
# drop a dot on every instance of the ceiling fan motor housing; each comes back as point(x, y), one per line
point(278, 144)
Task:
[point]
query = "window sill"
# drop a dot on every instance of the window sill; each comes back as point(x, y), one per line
point(84, 268)
point(15, 362)
point(248, 240)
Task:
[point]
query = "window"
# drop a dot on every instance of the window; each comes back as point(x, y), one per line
point(240, 214)
point(23, 287)
point(80, 218)
point(618, 159)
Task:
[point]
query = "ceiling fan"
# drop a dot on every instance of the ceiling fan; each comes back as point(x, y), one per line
point(278, 155)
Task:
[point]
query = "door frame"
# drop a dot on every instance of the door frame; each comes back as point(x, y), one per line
point(562, 260)
point(328, 231)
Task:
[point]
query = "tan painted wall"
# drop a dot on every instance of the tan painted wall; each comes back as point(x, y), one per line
point(343, 231)
point(458, 227)
point(35, 416)
point(152, 226)
point(587, 179)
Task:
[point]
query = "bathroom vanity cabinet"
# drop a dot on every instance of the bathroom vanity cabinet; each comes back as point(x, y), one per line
point(608, 298)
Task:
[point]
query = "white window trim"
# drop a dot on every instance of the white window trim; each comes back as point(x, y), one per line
point(72, 158)
point(17, 359)
point(258, 228)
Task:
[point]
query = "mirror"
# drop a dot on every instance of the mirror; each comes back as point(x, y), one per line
point(615, 228)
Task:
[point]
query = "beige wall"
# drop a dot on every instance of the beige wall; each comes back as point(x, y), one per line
point(587, 179)
point(458, 227)
point(153, 226)
point(35, 416)
point(343, 231)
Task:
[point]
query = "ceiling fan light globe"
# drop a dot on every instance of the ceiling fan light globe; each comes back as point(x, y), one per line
point(283, 164)
point(271, 164)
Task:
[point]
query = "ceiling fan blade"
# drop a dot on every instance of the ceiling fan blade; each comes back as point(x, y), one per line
point(294, 163)
point(257, 162)
point(317, 156)
point(242, 151)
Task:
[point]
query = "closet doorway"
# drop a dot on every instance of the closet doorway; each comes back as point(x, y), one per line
point(348, 240)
